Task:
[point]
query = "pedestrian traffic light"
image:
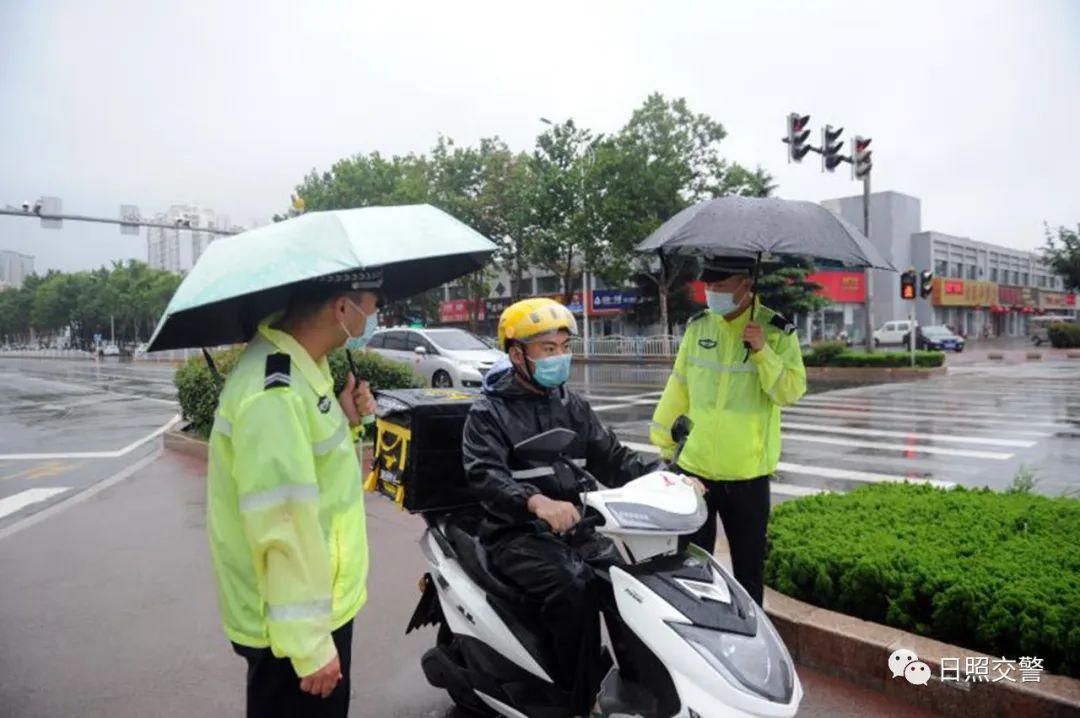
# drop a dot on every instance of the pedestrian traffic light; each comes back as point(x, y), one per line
point(860, 157)
point(797, 135)
point(830, 148)
point(926, 283)
point(907, 284)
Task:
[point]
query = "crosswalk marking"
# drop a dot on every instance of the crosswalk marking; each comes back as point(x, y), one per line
point(984, 424)
point(909, 448)
point(854, 431)
point(892, 408)
point(819, 471)
point(19, 501)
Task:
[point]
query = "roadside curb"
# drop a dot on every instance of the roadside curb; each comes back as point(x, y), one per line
point(858, 651)
point(873, 375)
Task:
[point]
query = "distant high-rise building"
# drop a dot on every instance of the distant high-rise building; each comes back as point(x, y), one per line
point(163, 244)
point(14, 268)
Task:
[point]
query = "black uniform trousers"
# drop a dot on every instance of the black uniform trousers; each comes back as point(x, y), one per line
point(562, 577)
point(273, 688)
point(743, 507)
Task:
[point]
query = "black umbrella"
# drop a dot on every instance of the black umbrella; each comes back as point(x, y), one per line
point(753, 226)
point(760, 226)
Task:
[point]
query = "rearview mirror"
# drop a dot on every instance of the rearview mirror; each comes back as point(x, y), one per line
point(420, 350)
point(546, 446)
point(681, 429)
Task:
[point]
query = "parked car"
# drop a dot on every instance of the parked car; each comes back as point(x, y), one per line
point(442, 357)
point(936, 338)
point(892, 332)
point(111, 350)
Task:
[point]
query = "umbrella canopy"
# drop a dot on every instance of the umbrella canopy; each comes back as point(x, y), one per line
point(751, 226)
point(239, 280)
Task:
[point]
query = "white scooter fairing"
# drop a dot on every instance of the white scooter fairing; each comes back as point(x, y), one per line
point(702, 648)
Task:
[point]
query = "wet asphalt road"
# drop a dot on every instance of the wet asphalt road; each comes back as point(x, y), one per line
point(107, 603)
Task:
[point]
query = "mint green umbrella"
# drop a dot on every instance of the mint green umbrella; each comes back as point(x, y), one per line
point(241, 279)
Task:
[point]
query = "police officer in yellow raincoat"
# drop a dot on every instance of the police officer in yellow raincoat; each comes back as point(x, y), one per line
point(285, 504)
point(734, 401)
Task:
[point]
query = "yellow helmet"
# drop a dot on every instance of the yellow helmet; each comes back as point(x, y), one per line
point(532, 317)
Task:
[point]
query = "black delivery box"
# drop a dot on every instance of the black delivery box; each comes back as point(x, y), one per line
point(417, 456)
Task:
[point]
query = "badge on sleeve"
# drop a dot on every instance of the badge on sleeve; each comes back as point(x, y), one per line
point(324, 404)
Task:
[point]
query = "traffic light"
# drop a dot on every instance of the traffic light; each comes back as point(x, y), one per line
point(830, 148)
point(907, 284)
point(797, 135)
point(860, 157)
point(926, 283)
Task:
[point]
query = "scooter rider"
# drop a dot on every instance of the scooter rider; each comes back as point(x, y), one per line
point(523, 396)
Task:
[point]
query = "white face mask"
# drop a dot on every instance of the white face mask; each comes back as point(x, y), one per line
point(721, 302)
point(370, 325)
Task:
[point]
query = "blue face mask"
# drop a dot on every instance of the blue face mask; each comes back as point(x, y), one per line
point(358, 343)
point(551, 372)
point(721, 302)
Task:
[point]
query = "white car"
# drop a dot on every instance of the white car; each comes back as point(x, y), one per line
point(111, 350)
point(442, 357)
point(892, 332)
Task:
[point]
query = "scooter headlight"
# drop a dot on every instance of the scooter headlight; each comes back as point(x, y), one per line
point(757, 664)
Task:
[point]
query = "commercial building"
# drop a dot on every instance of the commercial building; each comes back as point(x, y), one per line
point(979, 289)
point(14, 269)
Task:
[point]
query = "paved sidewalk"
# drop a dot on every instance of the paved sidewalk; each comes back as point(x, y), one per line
point(108, 609)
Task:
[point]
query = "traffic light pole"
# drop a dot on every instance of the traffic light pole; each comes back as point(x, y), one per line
point(868, 273)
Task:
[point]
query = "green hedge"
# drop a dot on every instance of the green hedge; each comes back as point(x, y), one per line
point(198, 393)
point(992, 572)
point(1064, 336)
point(836, 354)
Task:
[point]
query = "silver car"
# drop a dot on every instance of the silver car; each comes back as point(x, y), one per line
point(442, 357)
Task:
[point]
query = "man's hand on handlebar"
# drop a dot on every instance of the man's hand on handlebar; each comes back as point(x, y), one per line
point(561, 516)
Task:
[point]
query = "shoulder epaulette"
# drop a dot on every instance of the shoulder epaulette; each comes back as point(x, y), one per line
point(697, 316)
point(782, 324)
point(278, 371)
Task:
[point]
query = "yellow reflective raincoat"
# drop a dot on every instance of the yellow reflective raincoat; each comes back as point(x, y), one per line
point(734, 405)
point(285, 505)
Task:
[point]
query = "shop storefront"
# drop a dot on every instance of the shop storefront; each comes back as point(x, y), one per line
point(1057, 303)
point(1014, 305)
point(965, 305)
point(846, 314)
point(607, 315)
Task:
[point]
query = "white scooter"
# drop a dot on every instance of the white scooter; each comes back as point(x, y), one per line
point(701, 647)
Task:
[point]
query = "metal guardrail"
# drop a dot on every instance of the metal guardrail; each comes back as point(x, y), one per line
point(628, 347)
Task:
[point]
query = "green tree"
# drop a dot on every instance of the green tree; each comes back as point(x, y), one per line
point(665, 159)
point(784, 288)
point(1062, 253)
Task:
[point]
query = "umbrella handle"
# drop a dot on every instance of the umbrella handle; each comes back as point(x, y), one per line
point(365, 420)
point(753, 301)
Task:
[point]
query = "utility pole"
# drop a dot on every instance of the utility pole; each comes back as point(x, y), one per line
point(124, 222)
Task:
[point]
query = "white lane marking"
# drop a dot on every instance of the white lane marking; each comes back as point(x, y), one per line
point(893, 408)
point(626, 397)
point(19, 501)
point(854, 431)
point(78, 498)
point(612, 407)
point(793, 489)
point(851, 475)
point(823, 471)
point(913, 448)
point(96, 454)
point(977, 424)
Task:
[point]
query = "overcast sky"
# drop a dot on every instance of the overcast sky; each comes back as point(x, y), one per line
point(972, 106)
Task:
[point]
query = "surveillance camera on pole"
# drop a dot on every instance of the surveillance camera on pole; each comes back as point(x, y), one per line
point(831, 147)
point(797, 135)
point(26, 205)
